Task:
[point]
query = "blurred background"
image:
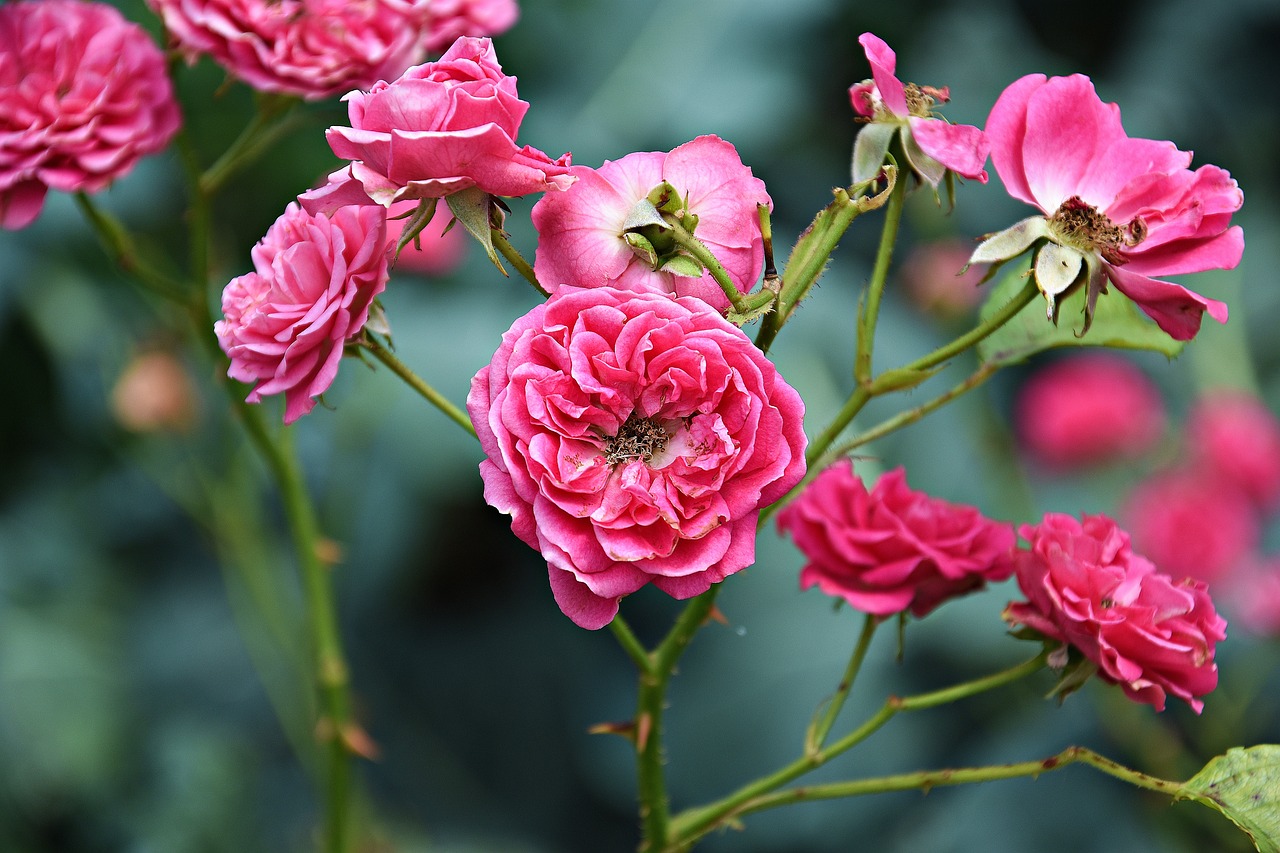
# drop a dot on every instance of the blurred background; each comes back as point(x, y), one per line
point(146, 704)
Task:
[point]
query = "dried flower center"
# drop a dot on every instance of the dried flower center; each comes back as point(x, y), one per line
point(637, 438)
point(920, 99)
point(1083, 226)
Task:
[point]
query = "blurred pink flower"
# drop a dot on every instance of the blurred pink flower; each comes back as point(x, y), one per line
point(1087, 410)
point(935, 279)
point(892, 549)
point(84, 94)
point(1144, 631)
point(931, 144)
point(1253, 593)
point(1235, 435)
point(583, 233)
point(434, 252)
point(453, 19)
point(1118, 209)
point(633, 438)
point(443, 127)
point(285, 324)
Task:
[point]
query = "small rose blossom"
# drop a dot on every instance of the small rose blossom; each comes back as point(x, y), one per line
point(315, 276)
point(892, 549)
point(585, 240)
point(1253, 595)
point(442, 127)
point(155, 393)
point(633, 438)
point(1117, 209)
point(453, 19)
point(1235, 435)
point(936, 280)
point(84, 94)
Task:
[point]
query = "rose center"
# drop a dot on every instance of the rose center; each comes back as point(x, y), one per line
point(637, 438)
point(1083, 226)
point(920, 99)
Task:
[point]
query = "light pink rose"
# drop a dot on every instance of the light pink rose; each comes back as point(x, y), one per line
point(315, 276)
point(892, 549)
point(443, 127)
point(931, 145)
point(1118, 209)
point(1235, 435)
point(581, 232)
point(633, 438)
point(309, 48)
point(453, 19)
point(1086, 588)
point(1087, 410)
point(84, 94)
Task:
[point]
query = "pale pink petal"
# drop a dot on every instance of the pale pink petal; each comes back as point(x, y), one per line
point(1065, 110)
point(1007, 128)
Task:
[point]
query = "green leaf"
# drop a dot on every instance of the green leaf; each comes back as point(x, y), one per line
point(1244, 785)
point(474, 209)
point(1117, 323)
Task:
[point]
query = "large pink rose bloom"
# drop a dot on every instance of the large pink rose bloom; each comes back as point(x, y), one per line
point(1235, 435)
point(443, 127)
point(582, 233)
point(1149, 634)
point(84, 94)
point(454, 19)
point(892, 549)
point(633, 438)
point(284, 324)
point(1117, 209)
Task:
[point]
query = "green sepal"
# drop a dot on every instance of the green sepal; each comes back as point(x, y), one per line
point(743, 318)
point(1244, 784)
point(641, 246)
point(870, 148)
point(418, 220)
point(644, 213)
point(682, 265)
point(666, 199)
point(475, 209)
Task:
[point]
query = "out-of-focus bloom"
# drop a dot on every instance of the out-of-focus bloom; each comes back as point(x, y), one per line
point(1191, 522)
point(433, 252)
point(284, 324)
point(84, 94)
point(595, 233)
point(1117, 208)
point(1087, 410)
point(442, 127)
point(931, 144)
point(1253, 595)
point(633, 438)
point(932, 278)
point(1144, 631)
point(453, 19)
point(1235, 435)
point(892, 549)
point(310, 48)
point(154, 393)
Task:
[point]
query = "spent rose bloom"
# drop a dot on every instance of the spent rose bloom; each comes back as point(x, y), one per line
point(1087, 410)
point(442, 127)
point(84, 94)
point(285, 324)
point(633, 438)
point(1144, 631)
point(932, 145)
point(1235, 435)
point(598, 233)
point(453, 19)
point(1117, 209)
point(892, 549)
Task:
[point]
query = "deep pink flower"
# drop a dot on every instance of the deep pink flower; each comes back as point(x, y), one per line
point(1087, 410)
point(1235, 435)
point(931, 144)
point(583, 233)
point(84, 94)
point(284, 324)
point(442, 127)
point(633, 438)
point(1144, 631)
point(453, 19)
point(1118, 209)
point(892, 549)
point(310, 48)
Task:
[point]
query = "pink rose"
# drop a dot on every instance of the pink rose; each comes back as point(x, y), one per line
point(453, 19)
point(1253, 594)
point(1234, 435)
point(933, 279)
point(1088, 409)
point(1144, 631)
point(582, 233)
point(931, 145)
point(1118, 209)
point(443, 127)
point(84, 94)
point(892, 549)
point(309, 48)
point(633, 438)
point(314, 278)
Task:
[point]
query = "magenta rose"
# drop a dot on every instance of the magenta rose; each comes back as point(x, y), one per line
point(285, 324)
point(1144, 631)
point(633, 438)
point(454, 19)
point(582, 233)
point(84, 94)
point(892, 549)
point(1235, 435)
point(442, 127)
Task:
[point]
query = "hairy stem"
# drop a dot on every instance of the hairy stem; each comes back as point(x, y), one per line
point(870, 314)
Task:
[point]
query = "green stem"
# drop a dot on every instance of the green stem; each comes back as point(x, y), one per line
point(273, 119)
point(119, 246)
point(821, 727)
point(685, 239)
point(503, 245)
point(879, 276)
point(1007, 312)
point(827, 437)
point(431, 395)
point(631, 645)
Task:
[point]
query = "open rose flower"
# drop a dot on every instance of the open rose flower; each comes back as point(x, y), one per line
point(285, 324)
point(892, 549)
point(454, 19)
point(1144, 631)
point(1117, 209)
point(442, 127)
point(1235, 435)
point(604, 231)
point(84, 94)
point(932, 145)
point(633, 438)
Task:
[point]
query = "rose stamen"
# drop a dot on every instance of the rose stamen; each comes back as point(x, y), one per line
point(1083, 226)
point(637, 438)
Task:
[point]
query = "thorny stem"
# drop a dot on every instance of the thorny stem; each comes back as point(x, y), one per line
point(417, 383)
point(699, 250)
point(503, 245)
